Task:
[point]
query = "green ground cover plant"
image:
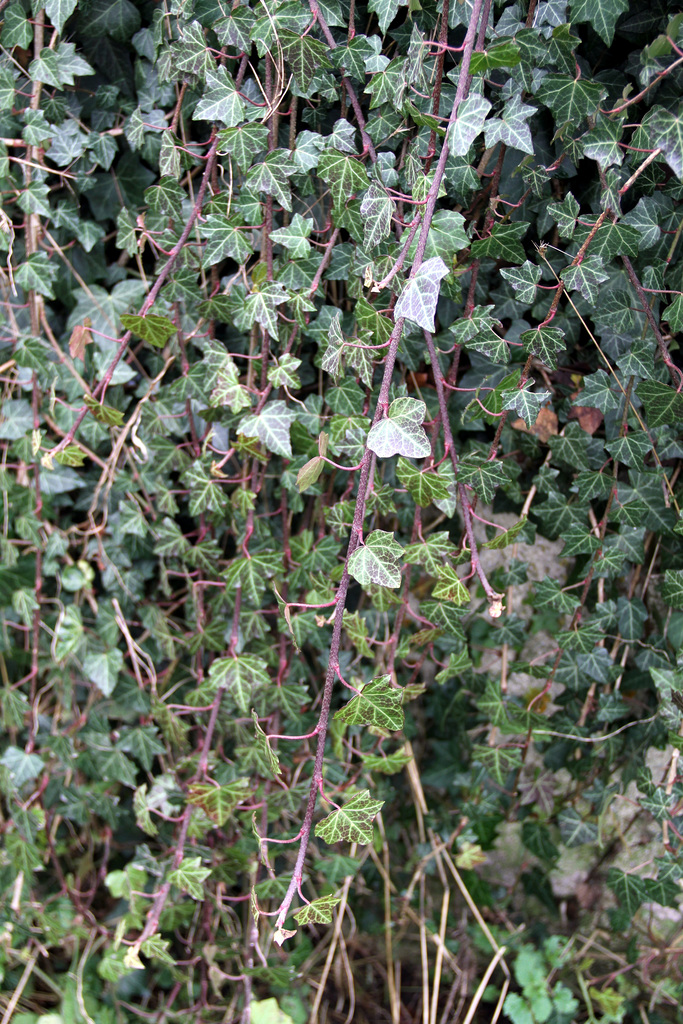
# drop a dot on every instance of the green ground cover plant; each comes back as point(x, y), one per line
point(341, 561)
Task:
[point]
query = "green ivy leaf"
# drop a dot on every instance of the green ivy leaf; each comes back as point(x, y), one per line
point(317, 912)
point(378, 704)
point(377, 210)
point(525, 402)
point(351, 823)
point(602, 16)
point(241, 676)
point(546, 343)
point(586, 277)
point(221, 101)
point(190, 877)
point(424, 487)
point(305, 54)
point(523, 280)
point(218, 802)
point(155, 330)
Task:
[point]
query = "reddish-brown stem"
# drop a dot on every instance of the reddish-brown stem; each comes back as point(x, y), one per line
point(364, 479)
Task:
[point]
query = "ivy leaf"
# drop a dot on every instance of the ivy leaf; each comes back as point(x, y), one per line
point(662, 403)
point(269, 177)
point(424, 487)
point(498, 761)
point(570, 99)
point(477, 332)
point(304, 54)
point(602, 143)
point(37, 274)
point(377, 210)
point(482, 475)
point(630, 890)
point(221, 101)
point(666, 133)
point(241, 676)
point(449, 587)
point(504, 54)
point(243, 142)
point(284, 374)
point(218, 802)
point(417, 301)
point(630, 449)
point(672, 587)
point(260, 306)
point(343, 174)
point(351, 823)
point(524, 280)
point(472, 113)
point(565, 215)
point(432, 554)
point(673, 314)
point(376, 561)
point(525, 402)
point(503, 243)
point(390, 764)
point(586, 277)
point(512, 128)
point(58, 67)
point(602, 16)
point(224, 238)
point(401, 431)
point(155, 330)
point(378, 704)
point(295, 236)
point(190, 877)
point(317, 912)
point(503, 540)
point(271, 426)
point(545, 343)
point(385, 11)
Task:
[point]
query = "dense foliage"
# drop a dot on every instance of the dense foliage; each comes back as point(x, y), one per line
point(341, 576)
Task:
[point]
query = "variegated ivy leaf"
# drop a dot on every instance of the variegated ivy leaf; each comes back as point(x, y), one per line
point(295, 236)
point(564, 214)
point(666, 133)
point(271, 426)
point(417, 301)
point(477, 331)
point(378, 704)
point(524, 280)
point(472, 113)
point(401, 431)
point(317, 912)
point(586, 277)
point(525, 402)
point(284, 374)
point(511, 127)
point(351, 823)
point(240, 676)
point(376, 561)
point(221, 101)
point(331, 361)
point(376, 210)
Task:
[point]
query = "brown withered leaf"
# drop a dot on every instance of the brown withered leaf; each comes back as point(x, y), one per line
point(590, 419)
point(545, 426)
point(80, 337)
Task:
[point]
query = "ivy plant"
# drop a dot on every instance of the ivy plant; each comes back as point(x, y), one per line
point(341, 539)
